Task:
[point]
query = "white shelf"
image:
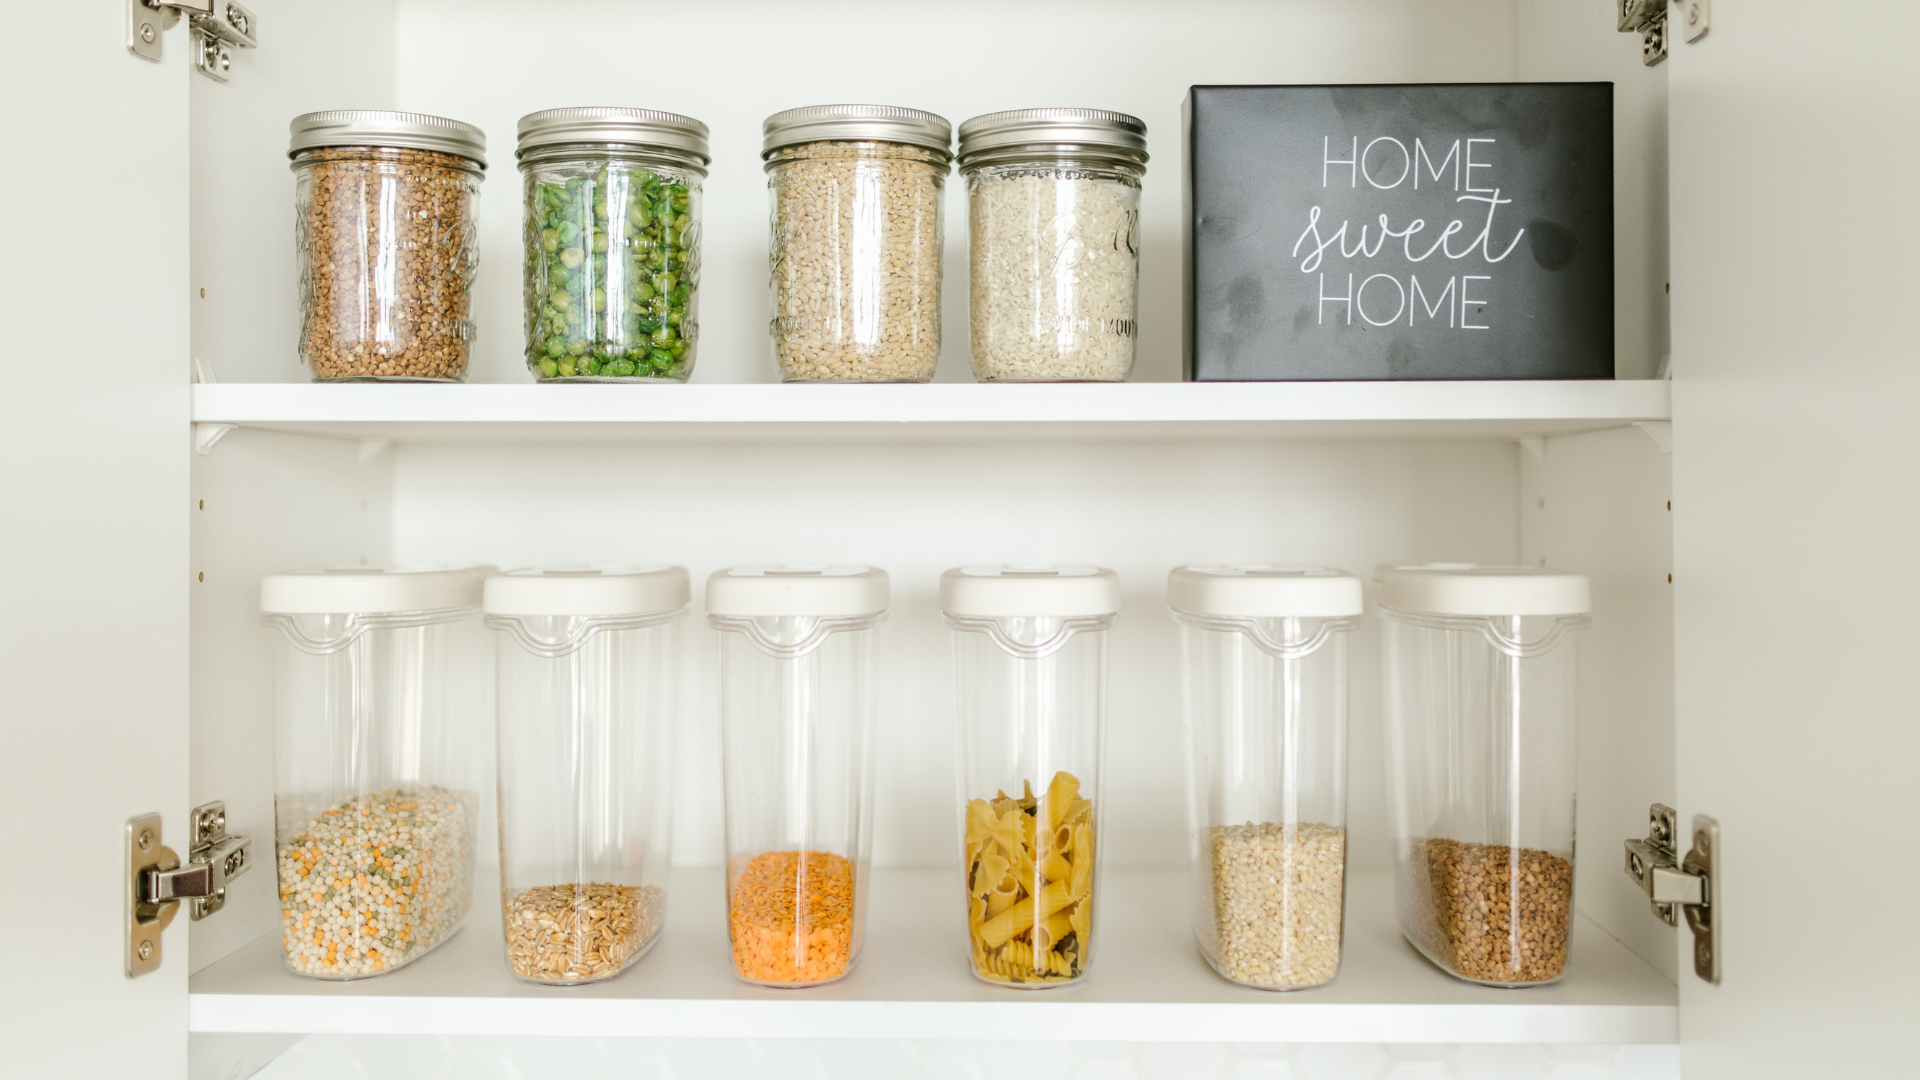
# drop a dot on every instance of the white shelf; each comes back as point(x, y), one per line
point(912, 982)
point(526, 411)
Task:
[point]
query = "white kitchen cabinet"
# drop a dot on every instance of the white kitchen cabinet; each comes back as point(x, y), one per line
point(1753, 575)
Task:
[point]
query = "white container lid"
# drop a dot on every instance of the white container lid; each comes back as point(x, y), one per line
point(588, 590)
point(345, 590)
point(997, 592)
point(1470, 589)
point(827, 591)
point(1264, 590)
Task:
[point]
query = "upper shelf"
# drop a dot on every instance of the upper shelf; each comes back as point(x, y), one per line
point(912, 983)
point(936, 411)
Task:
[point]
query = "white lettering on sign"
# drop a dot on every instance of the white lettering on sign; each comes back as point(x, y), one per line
point(1325, 299)
point(1406, 162)
point(1436, 171)
point(1387, 164)
point(1327, 161)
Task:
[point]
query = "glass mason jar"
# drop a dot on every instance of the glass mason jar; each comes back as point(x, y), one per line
point(855, 247)
point(1480, 710)
point(612, 236)
point(798, 693)
point(382, 701)
point(1264, 672)
point(587, 660)
point(385, 207)
point(1030, 685)
point(1053, 210)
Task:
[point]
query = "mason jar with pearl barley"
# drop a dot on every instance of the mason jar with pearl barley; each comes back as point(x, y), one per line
point(854, 254)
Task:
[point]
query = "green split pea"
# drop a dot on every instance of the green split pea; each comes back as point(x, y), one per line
point(608, 282)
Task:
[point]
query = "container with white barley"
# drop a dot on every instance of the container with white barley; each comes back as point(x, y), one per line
point(382, 703)
point(587, 657)
point(855, 246)
point(1264, 667)
point(1053, 209)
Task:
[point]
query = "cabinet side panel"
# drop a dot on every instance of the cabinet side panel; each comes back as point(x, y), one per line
point(263, 501)
point(93, 533)
point(1796, 467)
point(1597, 503)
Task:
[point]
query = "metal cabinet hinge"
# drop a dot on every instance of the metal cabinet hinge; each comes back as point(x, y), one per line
point(157, 882)
point(1676, 886)
point(215, 29)
point(1649, 19)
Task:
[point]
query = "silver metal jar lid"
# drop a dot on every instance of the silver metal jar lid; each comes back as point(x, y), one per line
point(856, 123)
point(1114, 134)
point(642, 128)
point(378, 127)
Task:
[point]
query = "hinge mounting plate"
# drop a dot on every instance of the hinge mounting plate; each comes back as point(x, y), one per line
point(217, 27)
point(156, 883)
point(1677, 887)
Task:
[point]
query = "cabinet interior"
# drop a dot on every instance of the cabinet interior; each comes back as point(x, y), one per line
point(1594, 501)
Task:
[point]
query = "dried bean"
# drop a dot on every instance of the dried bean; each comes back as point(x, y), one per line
point(580, 932)
point(1483, 915)
point(1277, 901)
point(386, 248)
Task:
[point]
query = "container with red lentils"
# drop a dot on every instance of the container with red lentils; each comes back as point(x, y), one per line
point(384, 215)
point(797, 701)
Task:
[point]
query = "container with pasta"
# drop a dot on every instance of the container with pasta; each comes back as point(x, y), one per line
point(1264, 673)
point(797, 701)
point(1029, 648)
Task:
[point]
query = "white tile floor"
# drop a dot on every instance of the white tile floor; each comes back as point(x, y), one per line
point(334, 1057)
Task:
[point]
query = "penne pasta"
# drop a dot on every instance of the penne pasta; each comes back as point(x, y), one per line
point(1029, 879)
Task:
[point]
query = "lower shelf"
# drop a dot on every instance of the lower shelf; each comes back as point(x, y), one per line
point(912, 982)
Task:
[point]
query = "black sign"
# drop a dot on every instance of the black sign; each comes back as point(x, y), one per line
point(1400, 232)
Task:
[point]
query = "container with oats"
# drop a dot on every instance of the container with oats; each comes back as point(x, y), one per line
point(1030, 675)
point(385, 237)
point(1264, 670)
point(1480, 709)
point(612, 233)
point(587, 657)
point(1053, 210)
point(383, 697)
point(855, 249)
point(798, 694)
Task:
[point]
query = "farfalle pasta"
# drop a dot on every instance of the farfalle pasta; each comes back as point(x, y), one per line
point(1030, 884)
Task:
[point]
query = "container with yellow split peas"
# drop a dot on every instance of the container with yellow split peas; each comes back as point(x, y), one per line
point(383, 699)
point(1029, 651)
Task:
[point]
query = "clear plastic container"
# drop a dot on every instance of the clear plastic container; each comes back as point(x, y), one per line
point(612, 237)
point(1053, 207)
point(855, 245)
point(798, 693)
point(1030, 684)
point(386, 238)
point(1480, 710)
point(587, 661)
point(382, 705)
point(1264, 671)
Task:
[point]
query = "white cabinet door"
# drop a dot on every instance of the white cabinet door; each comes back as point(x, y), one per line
point(1796, 503)
point(94, 296)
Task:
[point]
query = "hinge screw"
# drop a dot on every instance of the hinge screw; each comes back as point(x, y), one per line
point(146, 839)
point(146, 950)
point(146, 35)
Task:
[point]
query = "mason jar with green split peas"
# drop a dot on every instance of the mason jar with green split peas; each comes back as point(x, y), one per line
point(612, 230)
